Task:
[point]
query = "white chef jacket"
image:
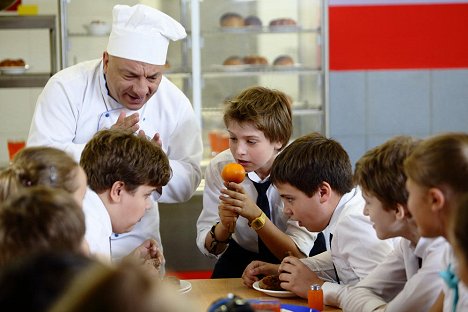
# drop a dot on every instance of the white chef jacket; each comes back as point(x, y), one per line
point(245, 236)
point(355, 248)
point(98, 226)
point(398, 284)
point(75, 104)
point(462, 306)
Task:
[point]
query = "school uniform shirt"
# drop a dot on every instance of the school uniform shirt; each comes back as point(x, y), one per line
point(75, 104)
point(98, 226)
point(355, 249)
point(245, 236)
point(449, 293)
point(399, 284)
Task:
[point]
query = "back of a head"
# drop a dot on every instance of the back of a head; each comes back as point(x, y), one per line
point(35, 282)
point(39, 165)
point(268, 110)
point(310, 160)
point(118, 155)
point(39, 219)
point(459, 227)
point(380, 171)
point(126, 287)
point(440, 161)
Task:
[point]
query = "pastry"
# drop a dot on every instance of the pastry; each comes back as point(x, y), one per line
point(253, 21)
point(12, 63)
point(282, 22)
point(270, 282)
point(255, 60)
point(283, 60)
point(231, 19)
point(233, 60)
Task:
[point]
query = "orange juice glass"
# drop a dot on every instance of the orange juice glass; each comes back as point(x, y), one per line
point(14, 146)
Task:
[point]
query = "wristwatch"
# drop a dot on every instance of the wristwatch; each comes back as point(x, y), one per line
point(258, 222)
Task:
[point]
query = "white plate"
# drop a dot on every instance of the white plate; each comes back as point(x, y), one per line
point(274, 293)
point(185, 286)
point(14, 70)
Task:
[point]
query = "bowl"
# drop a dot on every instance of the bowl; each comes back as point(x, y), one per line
point(98, 28)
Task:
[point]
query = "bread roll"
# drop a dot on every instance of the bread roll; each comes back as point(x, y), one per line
point(283, 22)
point(283, 60)
point(233, 60)
point(231, 19)
point(12, 63)
point(255, 60)
point(253, 21)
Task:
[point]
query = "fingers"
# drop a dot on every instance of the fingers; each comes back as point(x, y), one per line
point(127, 122)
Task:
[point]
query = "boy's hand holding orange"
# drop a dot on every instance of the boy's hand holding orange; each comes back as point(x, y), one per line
point(233, 172)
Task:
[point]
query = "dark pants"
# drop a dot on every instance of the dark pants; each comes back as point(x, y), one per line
point(235, 259)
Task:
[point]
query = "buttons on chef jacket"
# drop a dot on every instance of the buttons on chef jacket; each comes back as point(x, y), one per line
point(115, 235)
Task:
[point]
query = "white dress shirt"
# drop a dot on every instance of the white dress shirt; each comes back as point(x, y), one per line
point(75, 104)
point(355, 248)
point(245, 236)
point(398, 284)
point(98, 226)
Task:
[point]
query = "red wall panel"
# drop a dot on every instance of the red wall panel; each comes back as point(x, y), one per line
point(398, 36)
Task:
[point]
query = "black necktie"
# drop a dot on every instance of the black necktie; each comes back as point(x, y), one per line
point(334, 268)
point(319, 245)
point(262, 203)
point(420, 262)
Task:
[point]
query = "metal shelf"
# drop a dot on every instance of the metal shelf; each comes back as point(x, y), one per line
point(24, 80)
point(31, 22)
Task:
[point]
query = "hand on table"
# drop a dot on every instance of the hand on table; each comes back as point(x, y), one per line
point(295, 276)
point(258, 268)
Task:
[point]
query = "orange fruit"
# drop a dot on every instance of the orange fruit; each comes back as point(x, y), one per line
point(233, 172)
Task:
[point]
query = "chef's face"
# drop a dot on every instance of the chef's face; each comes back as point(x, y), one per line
point(131, 83)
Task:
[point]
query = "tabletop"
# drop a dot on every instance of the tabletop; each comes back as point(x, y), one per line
point(205, 291)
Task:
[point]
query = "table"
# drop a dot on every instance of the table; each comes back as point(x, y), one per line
point(205, 291)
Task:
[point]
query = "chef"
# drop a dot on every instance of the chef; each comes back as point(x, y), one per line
point(126, 88)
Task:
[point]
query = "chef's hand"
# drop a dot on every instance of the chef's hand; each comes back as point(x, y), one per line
point(127, 122)
point(258, 268)
point(235, 198)
point(297, 277)
point(156, 138)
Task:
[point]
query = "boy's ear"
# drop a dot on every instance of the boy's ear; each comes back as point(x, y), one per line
point(401, 212)
point(325, 191)
point(116, 191)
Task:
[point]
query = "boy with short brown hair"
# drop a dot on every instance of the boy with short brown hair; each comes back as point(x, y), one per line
point(123, 172)
point(408, 279)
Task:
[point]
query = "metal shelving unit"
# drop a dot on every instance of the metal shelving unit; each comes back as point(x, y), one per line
point(31, 22)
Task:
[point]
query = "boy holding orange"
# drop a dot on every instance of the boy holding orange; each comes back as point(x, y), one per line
point(232, 226)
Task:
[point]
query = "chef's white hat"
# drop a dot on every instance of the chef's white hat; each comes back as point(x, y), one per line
point(142, 33)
